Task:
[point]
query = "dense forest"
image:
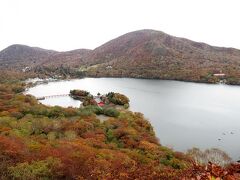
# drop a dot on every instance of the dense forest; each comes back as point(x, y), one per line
point(42, 142)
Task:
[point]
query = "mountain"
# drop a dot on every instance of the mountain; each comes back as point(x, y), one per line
point(20, 55)
point(154, 54)
point(139, 54)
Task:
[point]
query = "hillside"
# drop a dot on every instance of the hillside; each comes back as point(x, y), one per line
point(69, 58)
point(20, 56)
point(139, 54)
point(154, 54)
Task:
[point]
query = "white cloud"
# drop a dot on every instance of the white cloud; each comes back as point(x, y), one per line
point(72, 24)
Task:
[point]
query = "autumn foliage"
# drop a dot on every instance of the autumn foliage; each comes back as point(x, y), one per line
point(41, 142)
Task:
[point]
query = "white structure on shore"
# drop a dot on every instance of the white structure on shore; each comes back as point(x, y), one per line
point(220, 74)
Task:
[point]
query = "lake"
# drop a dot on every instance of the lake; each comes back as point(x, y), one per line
point(183, 114)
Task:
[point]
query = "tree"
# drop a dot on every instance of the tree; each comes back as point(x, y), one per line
point(43, 169)
point(117, 98)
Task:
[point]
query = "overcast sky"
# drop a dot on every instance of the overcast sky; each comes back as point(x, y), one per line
point(73, 24)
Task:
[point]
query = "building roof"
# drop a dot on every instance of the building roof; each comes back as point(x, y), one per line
point(101, 103)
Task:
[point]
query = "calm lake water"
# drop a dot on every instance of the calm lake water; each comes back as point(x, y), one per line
point(183, 114)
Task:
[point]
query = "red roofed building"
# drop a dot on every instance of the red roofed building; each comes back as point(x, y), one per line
point(101, 104)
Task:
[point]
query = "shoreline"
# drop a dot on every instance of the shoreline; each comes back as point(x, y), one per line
point(46, 80)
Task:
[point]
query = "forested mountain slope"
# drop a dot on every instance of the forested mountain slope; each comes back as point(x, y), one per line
point(20, 55)
point(140, 54)
point(154, 54)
